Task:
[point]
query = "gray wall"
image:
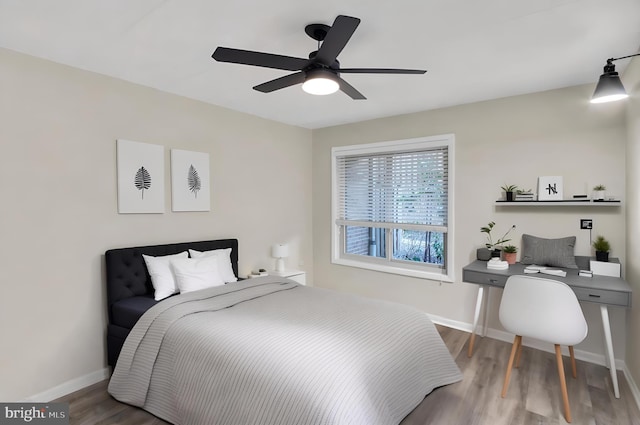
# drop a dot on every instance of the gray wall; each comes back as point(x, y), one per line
point(59, 204)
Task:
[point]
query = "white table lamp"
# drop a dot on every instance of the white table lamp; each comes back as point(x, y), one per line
point(280, 251)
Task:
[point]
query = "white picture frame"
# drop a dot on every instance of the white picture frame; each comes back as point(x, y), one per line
point(140, 170)
point(190, 185)
point(550, 188)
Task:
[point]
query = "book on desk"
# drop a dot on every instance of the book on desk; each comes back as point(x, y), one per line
point(544, 270)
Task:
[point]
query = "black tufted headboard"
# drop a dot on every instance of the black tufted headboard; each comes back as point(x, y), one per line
point(127, 274)
point(127, 277)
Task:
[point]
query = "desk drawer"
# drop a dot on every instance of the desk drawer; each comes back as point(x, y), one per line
point(484, 278)
point(602, 296)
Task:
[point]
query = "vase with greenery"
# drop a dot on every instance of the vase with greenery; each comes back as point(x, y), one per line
point(599, 192)
point(509, 191)
point(509, 253)
point(602, 247)
point(494, 246)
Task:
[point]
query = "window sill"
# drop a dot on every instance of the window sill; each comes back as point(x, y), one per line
point(421, 274)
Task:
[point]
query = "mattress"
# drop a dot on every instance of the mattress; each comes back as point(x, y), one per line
point(128, 311)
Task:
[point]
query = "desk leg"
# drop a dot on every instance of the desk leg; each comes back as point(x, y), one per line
point(610, 359)
point(486, 299)
point(476, 316)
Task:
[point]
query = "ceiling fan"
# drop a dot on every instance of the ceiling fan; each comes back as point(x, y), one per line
point(320, 73)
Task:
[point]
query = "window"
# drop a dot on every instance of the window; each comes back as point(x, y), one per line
point(392, 206)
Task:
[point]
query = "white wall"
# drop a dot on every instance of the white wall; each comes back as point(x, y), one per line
point(631, 79)
point(58, 210)
point(506, 141)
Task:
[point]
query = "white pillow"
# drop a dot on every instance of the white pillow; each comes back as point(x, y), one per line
point(193, 274)
point(162, 277)
point(224, 262)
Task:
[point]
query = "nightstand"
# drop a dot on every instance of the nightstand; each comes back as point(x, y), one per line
point(297, 275)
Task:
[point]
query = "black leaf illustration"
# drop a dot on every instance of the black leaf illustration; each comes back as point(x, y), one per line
point(142, 180)
point(193, 180)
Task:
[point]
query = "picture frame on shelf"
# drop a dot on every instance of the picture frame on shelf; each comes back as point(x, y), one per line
point(550, 188)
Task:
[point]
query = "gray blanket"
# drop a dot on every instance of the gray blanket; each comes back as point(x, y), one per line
point(269, 351)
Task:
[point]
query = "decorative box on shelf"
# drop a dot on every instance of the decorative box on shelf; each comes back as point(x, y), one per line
point(609, 268)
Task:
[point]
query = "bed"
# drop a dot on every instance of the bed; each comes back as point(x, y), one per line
point(269, 351)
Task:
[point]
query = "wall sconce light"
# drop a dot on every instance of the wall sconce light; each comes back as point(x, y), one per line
point(609, 87)
point(280, 251)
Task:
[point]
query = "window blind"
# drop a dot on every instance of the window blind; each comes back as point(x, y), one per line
point(398, 190)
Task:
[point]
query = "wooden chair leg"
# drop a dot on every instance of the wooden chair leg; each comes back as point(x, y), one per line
point(519, 354)
point(573, 362)
point(563, 384)
point(471, 341)
point(516, 342)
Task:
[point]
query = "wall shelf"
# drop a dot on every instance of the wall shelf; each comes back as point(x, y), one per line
point(563, 203)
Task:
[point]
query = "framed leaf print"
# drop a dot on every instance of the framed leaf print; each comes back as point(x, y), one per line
point(190, 187)
point(140, 177)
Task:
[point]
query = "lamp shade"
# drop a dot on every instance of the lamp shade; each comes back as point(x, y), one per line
point(320, 82)
point(280, 251)
point(609, 88)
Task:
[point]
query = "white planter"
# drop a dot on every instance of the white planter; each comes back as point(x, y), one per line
point(598, 195)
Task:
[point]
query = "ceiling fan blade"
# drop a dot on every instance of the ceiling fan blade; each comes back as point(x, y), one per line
point(280, 83)
point(350, 90)
point(380, 71)
point(266, 60)
point(337, 37)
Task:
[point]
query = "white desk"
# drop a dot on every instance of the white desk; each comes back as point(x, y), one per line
point(603, 290)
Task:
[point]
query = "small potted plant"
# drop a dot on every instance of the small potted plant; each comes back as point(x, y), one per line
point(599, 192)
point(509, 191)
point(509, 254)
point(491, 246)
point(602, 247)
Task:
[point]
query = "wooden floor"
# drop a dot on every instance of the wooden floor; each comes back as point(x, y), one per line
point(533, 396)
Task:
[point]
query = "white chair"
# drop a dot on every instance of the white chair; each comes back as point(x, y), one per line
point(547, 310)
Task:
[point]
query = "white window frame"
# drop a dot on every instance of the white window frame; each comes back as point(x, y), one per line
point(399, 267)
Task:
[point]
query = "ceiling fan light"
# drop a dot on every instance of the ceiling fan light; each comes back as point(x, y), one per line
point(320, 83)
point(609, 89)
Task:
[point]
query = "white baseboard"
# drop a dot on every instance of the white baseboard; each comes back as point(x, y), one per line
point(586, 356)
point(454, 324)
point(632, 384)
point(69, 386)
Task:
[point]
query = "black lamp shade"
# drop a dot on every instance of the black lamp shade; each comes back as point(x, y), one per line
point(609, 88)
